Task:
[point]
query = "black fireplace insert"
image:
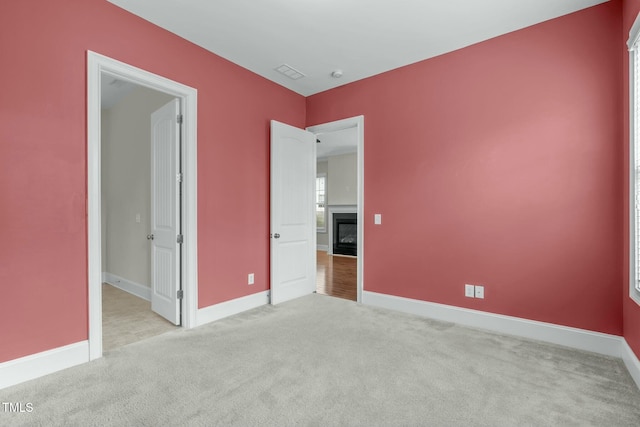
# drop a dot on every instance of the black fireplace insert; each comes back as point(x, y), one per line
point(345, 233)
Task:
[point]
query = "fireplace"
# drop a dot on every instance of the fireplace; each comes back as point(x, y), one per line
point(345, 233)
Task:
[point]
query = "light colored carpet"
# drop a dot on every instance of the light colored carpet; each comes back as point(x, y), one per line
point(127, 319)
point(322, 361)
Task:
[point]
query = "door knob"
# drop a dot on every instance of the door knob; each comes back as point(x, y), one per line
point(276, 236)
point(149, 236)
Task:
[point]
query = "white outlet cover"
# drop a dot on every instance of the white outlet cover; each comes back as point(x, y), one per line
point(377, 219)
point(479, 291)
point(250, 279)
point(469, 291)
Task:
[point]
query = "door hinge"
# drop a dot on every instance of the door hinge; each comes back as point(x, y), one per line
point(179, 177)
point(179, 119)
point(180, 239)
point(180, 294)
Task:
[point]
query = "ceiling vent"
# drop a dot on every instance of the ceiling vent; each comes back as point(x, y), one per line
point(290, 72)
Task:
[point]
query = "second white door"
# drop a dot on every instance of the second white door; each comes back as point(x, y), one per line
point(165, 211)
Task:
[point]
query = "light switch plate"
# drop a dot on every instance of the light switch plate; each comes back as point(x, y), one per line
point(377, 219)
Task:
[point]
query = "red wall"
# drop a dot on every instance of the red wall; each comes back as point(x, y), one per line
point(499, 164)
point(631, 314)
point(43, 262)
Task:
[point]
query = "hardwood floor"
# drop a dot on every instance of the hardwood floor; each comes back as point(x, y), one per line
point(337, 276)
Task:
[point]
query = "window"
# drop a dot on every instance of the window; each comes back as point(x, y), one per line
point(321, 199)
point(634, 160)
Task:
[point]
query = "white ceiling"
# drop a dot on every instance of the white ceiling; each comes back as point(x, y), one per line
point(336, 143)
point(113, 90)
point(360, 37)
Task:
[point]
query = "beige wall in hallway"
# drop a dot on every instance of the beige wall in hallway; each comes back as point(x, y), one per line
point(342, 180)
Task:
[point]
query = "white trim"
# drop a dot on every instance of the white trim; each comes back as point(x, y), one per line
point(609, 345)
point(634, 33)
point(47, 362)
point(96, 66)
point(141, 291)
point(229, 308)
point(323, 248)
point(357, 122)
point(631, 362)
point(634, 294)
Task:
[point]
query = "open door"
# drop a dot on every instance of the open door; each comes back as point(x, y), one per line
point(165, 211)
point(293, 234)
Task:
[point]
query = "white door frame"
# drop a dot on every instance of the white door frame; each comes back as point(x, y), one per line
point(358, 123)
point(96, 66)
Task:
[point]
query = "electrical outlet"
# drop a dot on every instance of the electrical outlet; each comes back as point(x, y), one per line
point(469, 291)
point(250, 279)
point(479, 291)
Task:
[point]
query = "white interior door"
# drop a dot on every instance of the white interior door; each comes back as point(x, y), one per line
point(293, 238)
point(165, 212)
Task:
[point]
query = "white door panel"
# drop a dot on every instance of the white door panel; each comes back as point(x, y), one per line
point(165, 212)
point(293, 238)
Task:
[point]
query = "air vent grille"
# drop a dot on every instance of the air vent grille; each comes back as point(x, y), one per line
point(290, 72)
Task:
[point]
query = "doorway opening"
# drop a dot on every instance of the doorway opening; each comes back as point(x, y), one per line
point(127, 180)
point(339, 226)
point(100, 70)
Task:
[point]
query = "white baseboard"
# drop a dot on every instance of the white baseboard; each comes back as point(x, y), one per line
point(631, 362)
point(133, 288)
point(229, 308)
point(39, 364)
point(609, 345)
point(323, 248)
